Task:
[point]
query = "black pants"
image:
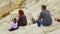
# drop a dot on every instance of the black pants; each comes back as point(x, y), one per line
point(12, 29)
point(21, 24)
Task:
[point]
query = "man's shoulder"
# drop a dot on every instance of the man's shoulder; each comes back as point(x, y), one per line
point(47, 10)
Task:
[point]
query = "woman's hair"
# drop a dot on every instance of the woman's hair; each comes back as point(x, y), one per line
point(21, 12)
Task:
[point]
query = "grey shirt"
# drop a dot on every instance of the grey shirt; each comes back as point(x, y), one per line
point(45, 15)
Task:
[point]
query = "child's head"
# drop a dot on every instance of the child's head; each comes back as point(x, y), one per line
point(14, 20)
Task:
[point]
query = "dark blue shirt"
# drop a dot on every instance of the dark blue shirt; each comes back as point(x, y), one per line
point(45, 15)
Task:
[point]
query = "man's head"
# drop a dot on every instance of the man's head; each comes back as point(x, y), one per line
point(43, 7)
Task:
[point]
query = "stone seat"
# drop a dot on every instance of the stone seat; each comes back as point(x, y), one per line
point(31, 29)
point(55, 32)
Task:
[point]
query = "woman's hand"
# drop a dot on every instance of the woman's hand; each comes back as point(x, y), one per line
point(17, 19)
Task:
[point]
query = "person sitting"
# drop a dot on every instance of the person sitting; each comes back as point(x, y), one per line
point(44, 18)
point(22, 20)
point(14, 25)
point(57, 19)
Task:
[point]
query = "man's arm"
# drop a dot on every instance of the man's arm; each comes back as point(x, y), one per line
point(39, 17)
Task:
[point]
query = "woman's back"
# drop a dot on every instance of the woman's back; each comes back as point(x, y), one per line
point(23, 19)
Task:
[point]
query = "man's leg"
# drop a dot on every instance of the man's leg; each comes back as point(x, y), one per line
point(39, 22)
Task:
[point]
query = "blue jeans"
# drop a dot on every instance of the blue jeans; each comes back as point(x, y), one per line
point(40, 22)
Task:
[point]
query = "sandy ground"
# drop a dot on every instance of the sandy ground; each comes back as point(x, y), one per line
point(33, 10)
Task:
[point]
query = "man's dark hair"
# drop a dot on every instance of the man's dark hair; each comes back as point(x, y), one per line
point(43, 6)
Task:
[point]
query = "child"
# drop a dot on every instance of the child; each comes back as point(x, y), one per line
point(14, 25)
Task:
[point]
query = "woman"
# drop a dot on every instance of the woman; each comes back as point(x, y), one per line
point(22, 20)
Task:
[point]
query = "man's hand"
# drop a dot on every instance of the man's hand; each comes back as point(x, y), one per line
point(38, 16)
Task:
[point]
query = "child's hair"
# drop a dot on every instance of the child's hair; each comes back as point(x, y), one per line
point(14, 19)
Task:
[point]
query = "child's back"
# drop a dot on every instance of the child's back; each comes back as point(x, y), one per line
point(14, 25)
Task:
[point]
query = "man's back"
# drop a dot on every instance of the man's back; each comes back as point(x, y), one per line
point(45, 15)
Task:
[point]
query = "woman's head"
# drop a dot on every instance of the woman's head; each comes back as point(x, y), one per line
point(21, 12)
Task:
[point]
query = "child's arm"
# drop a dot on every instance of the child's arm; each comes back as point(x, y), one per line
point(10, 26)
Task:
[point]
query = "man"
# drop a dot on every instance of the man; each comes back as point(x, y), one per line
point(44, 18)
